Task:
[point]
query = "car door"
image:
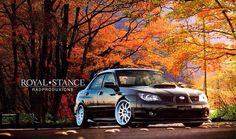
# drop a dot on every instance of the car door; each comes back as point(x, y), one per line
point(107, 98)
point(91, 95)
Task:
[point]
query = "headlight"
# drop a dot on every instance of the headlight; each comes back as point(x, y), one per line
point(202, 98)
point(149, 97)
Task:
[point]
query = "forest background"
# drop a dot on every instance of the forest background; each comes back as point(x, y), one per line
point(192, 41)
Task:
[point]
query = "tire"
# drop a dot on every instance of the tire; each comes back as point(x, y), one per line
point(192, 124)
point(81, 117)
point(123, 114)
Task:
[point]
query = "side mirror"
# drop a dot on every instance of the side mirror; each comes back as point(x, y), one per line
point(111, 85)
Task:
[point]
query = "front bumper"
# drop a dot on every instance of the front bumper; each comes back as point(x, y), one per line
point(159, 113)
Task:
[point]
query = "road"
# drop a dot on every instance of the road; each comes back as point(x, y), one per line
point(172, 131)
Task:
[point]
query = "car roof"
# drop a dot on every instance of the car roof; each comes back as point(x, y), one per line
point(120, 69)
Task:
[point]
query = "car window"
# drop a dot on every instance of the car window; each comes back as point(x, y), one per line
point(140, 78)
point(109, 78)
point(97, 83)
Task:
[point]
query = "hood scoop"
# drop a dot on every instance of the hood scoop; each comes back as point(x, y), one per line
point(163, 86)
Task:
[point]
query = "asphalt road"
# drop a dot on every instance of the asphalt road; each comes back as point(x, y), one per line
point(173, 131)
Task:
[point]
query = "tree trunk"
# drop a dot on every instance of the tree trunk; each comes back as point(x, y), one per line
point(3, 99)
point(14, 52)
point(61, 58)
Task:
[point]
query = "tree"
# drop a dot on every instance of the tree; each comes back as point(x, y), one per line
point(193, 21)
point(43, 35)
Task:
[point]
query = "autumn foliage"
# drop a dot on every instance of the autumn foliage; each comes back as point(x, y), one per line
point(75, 39)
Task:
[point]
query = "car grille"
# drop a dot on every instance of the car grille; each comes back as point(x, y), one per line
point(167, 98)
point(179, 99)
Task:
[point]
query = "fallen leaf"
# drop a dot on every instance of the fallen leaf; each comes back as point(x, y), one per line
point(112, 130)
point(5, 134)
point(71, 131)
point(170, 128)
point(144, 129)
point(61, 133)
point(116, 130)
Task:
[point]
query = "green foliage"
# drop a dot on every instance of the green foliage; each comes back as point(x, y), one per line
point(8, 120)
point(62, 123)
point(233, 64)
point(225, 114)
point(184, 9)
point(27, 118)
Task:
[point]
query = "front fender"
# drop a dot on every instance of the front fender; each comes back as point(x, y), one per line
point(129, 95)
point(77, 102)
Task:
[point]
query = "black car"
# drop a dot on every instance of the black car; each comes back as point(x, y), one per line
point(138, 97)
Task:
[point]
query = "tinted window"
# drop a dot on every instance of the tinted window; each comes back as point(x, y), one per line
point(139, 77)
point(97, 83)
point(109, 78)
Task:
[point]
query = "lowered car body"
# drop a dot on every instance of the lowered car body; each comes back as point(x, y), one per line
point(138, 97)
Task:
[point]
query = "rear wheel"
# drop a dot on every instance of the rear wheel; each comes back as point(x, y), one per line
point(81, 118)
point(192, 124)
point(123, 113)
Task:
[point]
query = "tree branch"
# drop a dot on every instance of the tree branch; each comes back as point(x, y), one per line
point(227, 19)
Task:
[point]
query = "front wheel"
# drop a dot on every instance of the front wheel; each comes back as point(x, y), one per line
point(81, 118)
point(192, 124)
point(123, 113)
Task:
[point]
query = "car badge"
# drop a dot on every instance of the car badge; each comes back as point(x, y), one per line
point(181, 97)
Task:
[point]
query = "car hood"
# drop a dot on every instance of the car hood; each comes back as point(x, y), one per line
point(167, 91)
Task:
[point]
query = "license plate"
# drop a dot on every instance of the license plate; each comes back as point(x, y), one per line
point(184, 107)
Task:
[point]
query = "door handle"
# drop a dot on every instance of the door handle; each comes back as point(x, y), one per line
point(100, 93)
point(87, 93)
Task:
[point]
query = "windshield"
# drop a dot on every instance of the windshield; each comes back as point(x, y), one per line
point(139, 78)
